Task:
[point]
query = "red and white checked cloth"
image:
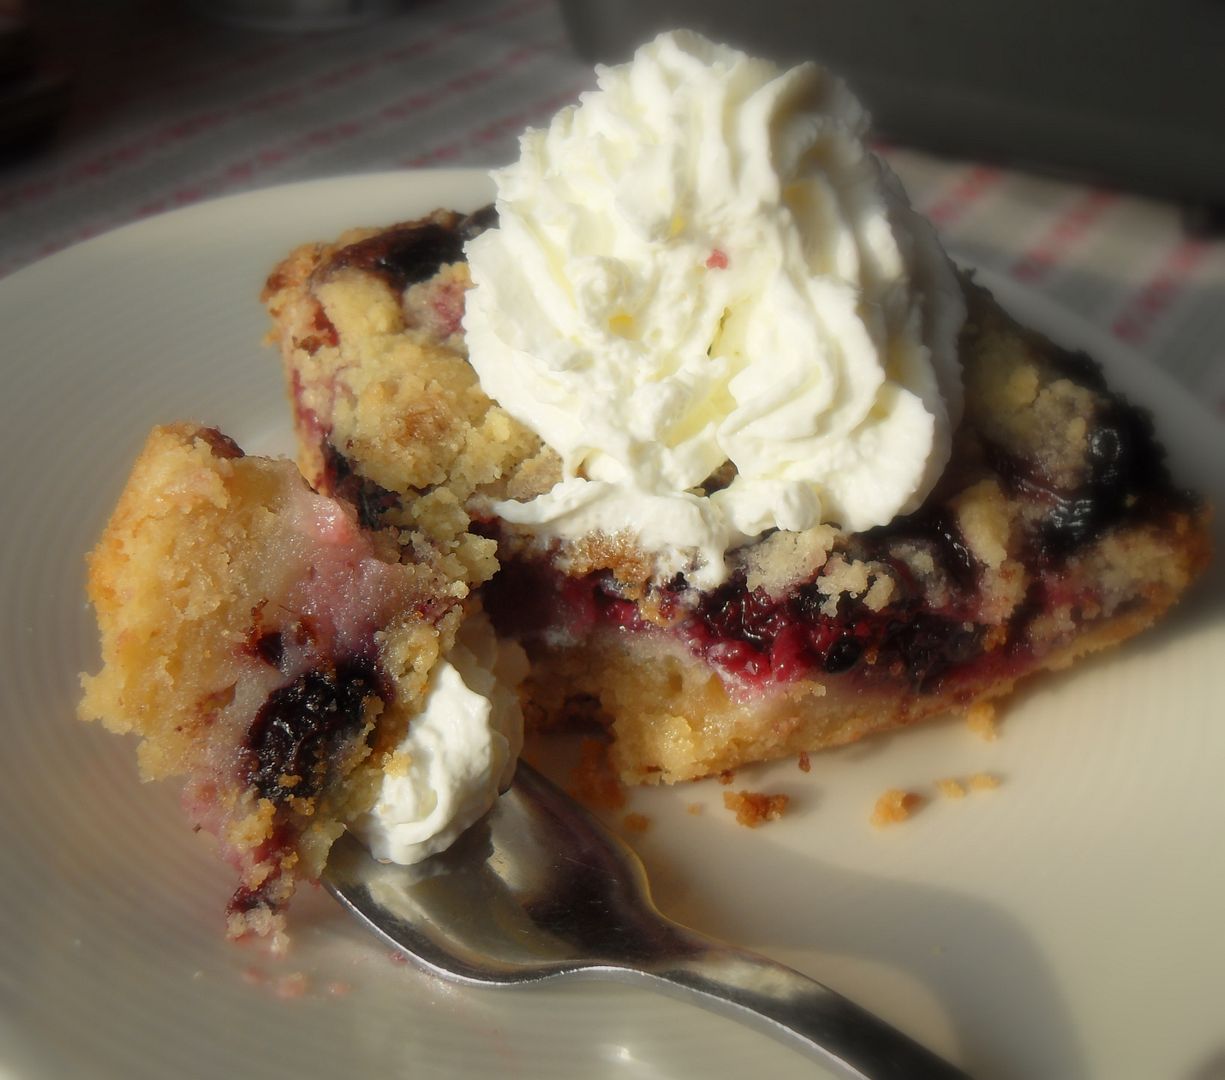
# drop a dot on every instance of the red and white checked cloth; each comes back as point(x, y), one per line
point(169, 110)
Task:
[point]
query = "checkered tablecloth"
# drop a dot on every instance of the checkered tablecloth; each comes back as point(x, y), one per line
point(168, 109)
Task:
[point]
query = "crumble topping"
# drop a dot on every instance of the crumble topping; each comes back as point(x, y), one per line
point(854, 579)
point(985, 521)
point(783, 558)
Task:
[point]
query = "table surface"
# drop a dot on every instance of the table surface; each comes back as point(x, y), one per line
point(167, 109)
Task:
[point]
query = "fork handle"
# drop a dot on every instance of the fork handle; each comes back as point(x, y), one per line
point(800, 1011)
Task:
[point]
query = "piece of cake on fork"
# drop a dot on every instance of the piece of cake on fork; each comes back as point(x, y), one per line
point(273, 652)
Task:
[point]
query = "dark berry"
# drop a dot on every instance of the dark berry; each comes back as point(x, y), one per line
point(1124, 462)
point(929, 646)
point(843, 655)
point(408, 254)
point(370, 500)
point(301, 727)
point(1124, 474)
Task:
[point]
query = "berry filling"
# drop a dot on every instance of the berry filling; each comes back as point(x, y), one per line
point(744, 634)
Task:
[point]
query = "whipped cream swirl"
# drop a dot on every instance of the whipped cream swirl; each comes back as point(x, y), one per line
point(701, 263)
point(459, 752)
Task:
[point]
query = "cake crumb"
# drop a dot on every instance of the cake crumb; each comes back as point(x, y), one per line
point(695, 808)
point(984, 782)
point(727, 776)
point(292, 986)
point(981, 720)
point(804, 762)
point(593, 781)
point(951, 789)
point(895, 805)
point(753, 808)
point(638, 823)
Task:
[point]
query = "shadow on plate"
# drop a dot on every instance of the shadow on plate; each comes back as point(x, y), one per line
point(998, 996)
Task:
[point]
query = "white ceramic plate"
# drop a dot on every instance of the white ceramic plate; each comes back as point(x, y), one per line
point(1067, 924)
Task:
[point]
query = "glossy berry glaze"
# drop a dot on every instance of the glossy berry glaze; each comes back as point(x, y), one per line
point(754, 641)
point(754, 638)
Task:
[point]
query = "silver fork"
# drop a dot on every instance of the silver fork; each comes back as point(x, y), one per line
point(542, 889)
